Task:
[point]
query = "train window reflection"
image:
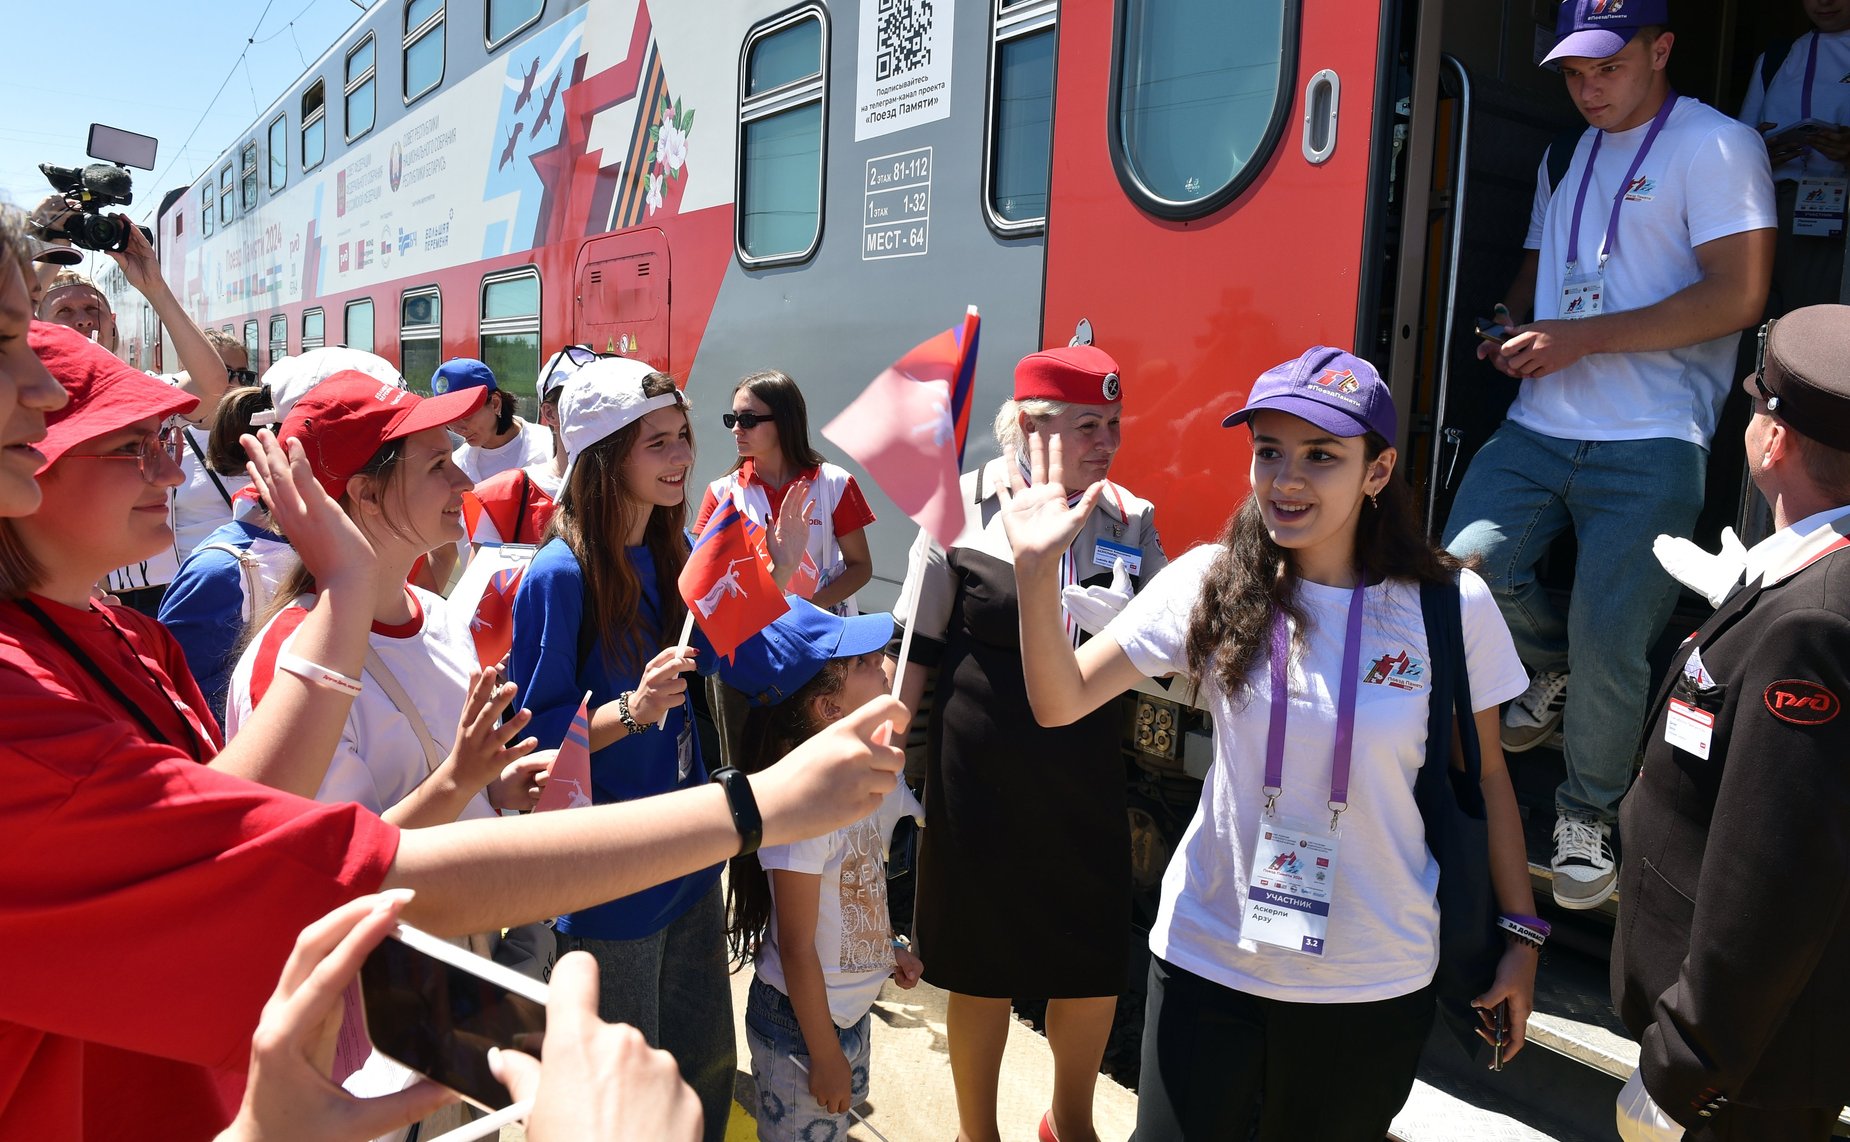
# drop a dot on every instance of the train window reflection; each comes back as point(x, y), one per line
point(1198, 95)
point(423, 47)
point(314, 126)
point(279, 152)
point(1021, 123)
point(781, 93)
point(361, 103)
point(357, 332)
point(505, 17)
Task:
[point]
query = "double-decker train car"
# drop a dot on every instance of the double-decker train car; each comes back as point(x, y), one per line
point(720, 186)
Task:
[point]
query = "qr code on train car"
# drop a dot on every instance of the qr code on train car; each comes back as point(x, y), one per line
point(902, 39)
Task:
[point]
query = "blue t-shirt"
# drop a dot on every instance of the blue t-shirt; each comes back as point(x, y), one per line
point(204, 608)
point(549, 612)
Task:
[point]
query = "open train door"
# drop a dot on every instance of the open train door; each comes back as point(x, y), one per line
point(1228, 179)
point(623, 293)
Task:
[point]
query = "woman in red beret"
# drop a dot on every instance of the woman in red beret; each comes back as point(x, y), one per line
point(1003, 795)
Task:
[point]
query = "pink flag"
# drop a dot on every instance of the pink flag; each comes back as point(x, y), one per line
point(908, 428)
point(569, 786)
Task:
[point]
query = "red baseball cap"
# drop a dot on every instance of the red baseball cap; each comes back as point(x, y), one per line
point(106, 394)
point(344, 421)
point(1075, 374)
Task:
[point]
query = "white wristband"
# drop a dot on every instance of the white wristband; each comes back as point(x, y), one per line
point(316, 674)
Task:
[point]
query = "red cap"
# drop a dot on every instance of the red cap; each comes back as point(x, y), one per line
point(344, 421)
point(1076, 374)
point(106, 394)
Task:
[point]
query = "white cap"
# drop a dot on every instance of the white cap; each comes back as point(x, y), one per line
point(290, 378)
point(601, 398)
point(557, 370)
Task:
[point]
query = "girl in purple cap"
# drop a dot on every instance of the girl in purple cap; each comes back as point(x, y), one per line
point(1297, 937)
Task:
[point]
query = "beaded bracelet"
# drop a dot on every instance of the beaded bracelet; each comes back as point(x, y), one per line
point(623, 713)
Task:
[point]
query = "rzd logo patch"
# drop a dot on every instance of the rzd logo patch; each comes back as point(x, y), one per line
point(1802, 703)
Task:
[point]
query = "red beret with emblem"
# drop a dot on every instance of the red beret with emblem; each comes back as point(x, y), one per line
point(1076, 374)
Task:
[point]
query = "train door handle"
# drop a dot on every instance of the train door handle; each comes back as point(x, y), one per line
point(1322, 95)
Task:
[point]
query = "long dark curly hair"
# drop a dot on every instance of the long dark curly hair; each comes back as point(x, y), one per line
point(1230, 629)
point(770, 733)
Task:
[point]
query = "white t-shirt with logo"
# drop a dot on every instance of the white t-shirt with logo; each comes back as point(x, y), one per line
point(1383, 928)
point(853, 931)
point(1706, 177)
point(1779, 105)
point(531, 444)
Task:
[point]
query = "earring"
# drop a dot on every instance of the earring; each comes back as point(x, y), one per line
point(1373, 502)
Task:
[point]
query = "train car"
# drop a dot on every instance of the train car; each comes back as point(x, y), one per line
point(1204, 187)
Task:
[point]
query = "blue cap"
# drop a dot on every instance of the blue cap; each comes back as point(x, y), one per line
point(781, 659)
point(461, 373)
point(1595, 29)
point(1336, 391)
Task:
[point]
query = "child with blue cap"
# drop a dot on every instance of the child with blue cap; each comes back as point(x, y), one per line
point(813, 915)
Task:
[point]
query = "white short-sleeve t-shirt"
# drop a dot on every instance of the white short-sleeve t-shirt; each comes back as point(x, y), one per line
point(531, 444)
point(853, 931)
point(1383, 934)
point(1705, 178)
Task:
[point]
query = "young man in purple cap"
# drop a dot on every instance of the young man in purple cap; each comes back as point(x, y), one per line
point(1643, 265)
point(494, 439)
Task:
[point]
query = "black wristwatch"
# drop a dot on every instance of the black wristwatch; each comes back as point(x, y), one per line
point(744, 807)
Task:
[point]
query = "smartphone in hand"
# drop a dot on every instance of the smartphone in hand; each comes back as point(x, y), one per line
point(1497, 1021)
point(436, 1009)
point(1492, 331)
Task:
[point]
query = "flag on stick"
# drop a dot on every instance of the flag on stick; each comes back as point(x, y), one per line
point(908, 428)
point(727, 584)
point(568, 784)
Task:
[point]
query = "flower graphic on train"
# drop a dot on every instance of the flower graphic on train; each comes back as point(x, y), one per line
point(668, 142)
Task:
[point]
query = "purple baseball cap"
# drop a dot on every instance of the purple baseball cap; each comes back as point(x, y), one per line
point(1595, 29)
point(1336, 391)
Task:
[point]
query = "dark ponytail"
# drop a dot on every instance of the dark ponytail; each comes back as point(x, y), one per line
point(224, 454)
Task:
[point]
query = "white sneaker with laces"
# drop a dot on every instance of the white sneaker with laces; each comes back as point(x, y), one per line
point(1584, 872)
point(1535, 713)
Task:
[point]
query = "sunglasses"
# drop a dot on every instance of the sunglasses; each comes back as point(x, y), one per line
point(242, 376)
point(167, 442)
point(581, 355)
point(745, 420)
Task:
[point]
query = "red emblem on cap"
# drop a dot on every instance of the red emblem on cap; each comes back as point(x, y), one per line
point(1606, 7)
point(1802, 703)
point(1342, 380)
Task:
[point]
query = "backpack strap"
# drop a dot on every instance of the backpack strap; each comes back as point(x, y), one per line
point(205, 467)
point(1449, 687)
point(395, 692)
point(247, 570)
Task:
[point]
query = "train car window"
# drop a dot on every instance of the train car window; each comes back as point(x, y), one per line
point(357, 325)
point(279, 337)
point(227, 200)
point(206, 209)
point(420, 336)
point(1018, 163)
point(250, 340)
point(506, 17)
point(423, 47)
point(361, 104)
point(279, 153)
point(247, 178)
point(510, 333)
point(782, 90)
point(1198, 98)
point(314, 125)
point(314, 329)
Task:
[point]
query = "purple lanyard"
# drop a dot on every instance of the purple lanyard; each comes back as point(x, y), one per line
point(1618, 199)
point(1811, 73)
point(1345, 708)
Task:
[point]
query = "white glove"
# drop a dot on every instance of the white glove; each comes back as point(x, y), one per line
point(1712, 576)
point(1093, 607)
point(1640, 1118)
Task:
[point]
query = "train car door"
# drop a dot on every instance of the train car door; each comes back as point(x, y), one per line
point(623, 295)
point(1212, 212)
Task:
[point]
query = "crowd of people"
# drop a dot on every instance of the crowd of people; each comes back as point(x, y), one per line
point(251, 726)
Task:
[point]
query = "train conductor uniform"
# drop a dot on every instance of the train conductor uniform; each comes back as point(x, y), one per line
point(1731, 963)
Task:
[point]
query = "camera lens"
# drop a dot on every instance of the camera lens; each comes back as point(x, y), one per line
point(97, 232)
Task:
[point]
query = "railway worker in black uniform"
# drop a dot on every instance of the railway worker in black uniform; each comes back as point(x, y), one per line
point(1732, 958)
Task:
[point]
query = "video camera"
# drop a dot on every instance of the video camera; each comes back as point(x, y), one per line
point(89, 189)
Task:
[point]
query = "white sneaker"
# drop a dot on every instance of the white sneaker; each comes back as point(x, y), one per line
point(1535, 713)
point(1584, 874)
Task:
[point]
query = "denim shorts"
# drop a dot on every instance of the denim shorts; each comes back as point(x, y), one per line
point(787, 1112)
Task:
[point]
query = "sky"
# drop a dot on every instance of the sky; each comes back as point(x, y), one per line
point(152, 66)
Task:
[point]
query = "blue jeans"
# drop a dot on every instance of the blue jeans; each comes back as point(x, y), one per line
point(787, 1112)
point(1524, 489)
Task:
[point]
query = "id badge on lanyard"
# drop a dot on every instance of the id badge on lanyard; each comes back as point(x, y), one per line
point(1584, 294)
point(1292, 876)
point(1818, 212)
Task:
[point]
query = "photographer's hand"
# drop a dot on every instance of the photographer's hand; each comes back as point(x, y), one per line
point(205, 373)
